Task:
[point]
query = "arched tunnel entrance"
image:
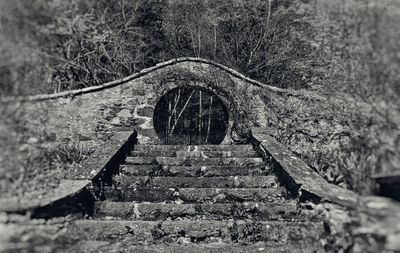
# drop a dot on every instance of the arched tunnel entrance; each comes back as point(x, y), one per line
point(190, 115)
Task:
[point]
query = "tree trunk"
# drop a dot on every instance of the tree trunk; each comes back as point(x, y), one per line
point(200, 119)
point(169, 121)
point(199, 41)
point(180, 114)
point(193, 45)
point(215, 42)
point(176, 104)
point(269, 14)
point(209, 119)
point(172, 111)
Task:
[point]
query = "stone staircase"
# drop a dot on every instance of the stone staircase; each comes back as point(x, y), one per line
point(208, 198)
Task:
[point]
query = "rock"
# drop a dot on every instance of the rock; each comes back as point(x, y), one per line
point(124, 113)
point(393, 242)
point(146, 111)
point(24, 147)
point(32, 140)
point(115, 121)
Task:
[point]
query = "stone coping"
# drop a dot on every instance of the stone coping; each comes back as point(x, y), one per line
point(298, 176)
point(116, 147)
point(143, 72)
point(302, 180)
point(378, 216)
point(38, 199)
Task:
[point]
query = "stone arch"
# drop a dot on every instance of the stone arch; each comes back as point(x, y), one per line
point(101, 113)
point(174, 77)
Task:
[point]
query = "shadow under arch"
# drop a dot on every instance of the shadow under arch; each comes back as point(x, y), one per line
point(191, 114)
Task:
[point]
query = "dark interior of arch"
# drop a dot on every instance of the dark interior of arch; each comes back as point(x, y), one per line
point(190, 115)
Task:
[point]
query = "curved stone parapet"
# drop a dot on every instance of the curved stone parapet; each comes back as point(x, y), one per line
point(147, 71)
point(65, 189)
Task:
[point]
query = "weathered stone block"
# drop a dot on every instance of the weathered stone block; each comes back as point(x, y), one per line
point(152, 100)
point(115, 121)
point(223, 161)
point(195, 195)
point(139, 121)
point(272, 233)
point(124, 113)
point(162, 148)
point(138, 91)
point(198, 182)
point(146, 111)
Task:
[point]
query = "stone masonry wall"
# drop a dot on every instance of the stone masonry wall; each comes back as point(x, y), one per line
point(95, 119)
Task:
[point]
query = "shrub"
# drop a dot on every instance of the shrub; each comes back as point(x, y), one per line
point(71, 153)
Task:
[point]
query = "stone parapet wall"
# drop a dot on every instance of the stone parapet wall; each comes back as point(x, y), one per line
point(364, 223)
point(147, 71)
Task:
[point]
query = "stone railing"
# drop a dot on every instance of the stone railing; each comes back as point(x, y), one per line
point(374, 222)
point(144, 72)
point(296, 175)
point(77, 193)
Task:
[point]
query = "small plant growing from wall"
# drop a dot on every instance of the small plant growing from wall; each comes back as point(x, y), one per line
point(70, 154)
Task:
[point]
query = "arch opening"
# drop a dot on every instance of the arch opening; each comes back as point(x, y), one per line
point(190, 115)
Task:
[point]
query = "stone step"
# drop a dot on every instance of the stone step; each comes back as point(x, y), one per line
point(194, 195)
point(196, 182)
point(141, 160)
point(210, 161)
point(177, 153)
point(71, 237)
point(162, 148)
point(194, 171)
point(194, 161)
point(170, 211)
point(226, 231)
point(184, 247)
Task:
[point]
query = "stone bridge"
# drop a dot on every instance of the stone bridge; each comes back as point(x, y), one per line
point(114, 118)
